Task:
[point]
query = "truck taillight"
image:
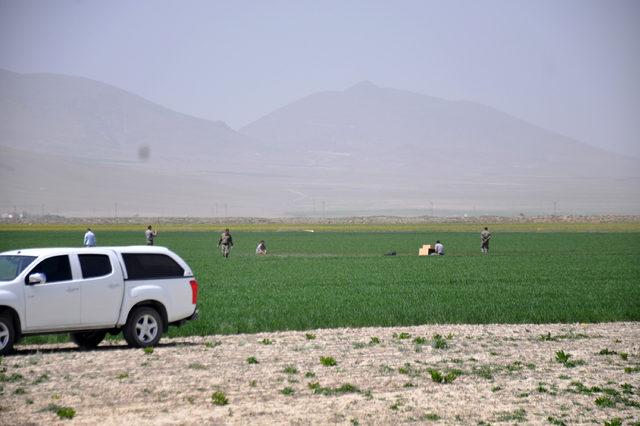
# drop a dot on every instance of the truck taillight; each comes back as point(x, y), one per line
point(194, 291)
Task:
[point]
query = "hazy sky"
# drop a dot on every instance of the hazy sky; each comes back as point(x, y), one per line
point(572, 66)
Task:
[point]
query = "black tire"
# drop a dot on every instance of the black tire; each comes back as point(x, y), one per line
point(7, 334)
point(143, 328)
point(88, 339)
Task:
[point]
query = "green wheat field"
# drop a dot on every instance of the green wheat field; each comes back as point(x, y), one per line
point(339, 277)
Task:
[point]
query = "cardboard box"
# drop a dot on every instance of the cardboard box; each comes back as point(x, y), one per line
point(426, 250)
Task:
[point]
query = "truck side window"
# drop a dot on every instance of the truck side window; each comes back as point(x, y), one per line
point(56, 268)
point(94, 265)
point(142, 266)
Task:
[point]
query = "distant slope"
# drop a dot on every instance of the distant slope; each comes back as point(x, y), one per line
point(417, 132)
point(79, 117)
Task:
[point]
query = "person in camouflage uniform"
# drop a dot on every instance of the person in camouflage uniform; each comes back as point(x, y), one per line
point(225, 242)
point(485, 236)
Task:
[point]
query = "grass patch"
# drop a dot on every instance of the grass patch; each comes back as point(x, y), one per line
point(287, 391)
point(342, 389)
point(328, 361)
point(314, 280)
point(519, 415)
point(219, 398)
point(564, 358)
point(290, 369)
point(440, 377)
point(252, 360)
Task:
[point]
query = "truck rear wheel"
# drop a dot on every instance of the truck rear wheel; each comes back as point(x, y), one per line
point(143, 328)
point(88, 339)
point(7, 334)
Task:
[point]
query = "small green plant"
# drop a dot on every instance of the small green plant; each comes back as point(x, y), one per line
point(420, 340)
point(408, 385)
point(66, 412)
point(41, 379)
point(122, 376)
point(519, 415)
point(606, 351)
point(219, 398)
point(541, 388)
point(439, 377)
point(630, 370)
point(439, 342)
point(624, 356)
point(15, 377)
point(564, 358)
point(432, 417)
point(555, 421)
point(212, 343)
point(627, 388)
point(605, 401)
point(287, 391)
point(496, 388)
point(252, 360)
point(483, 371)
point(20, 391)
point(345, 388)
point(309, 336)
point(253, 383)
point(402, 336)
point(148, 350)
point(196, 366)
point(547, 337)
point(266, 341)
point(616, 421)
point(374, 341)
point(309, 374)
point(290, 369)
point(328, 361)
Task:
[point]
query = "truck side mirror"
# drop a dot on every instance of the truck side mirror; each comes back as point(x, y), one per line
point(37, 278)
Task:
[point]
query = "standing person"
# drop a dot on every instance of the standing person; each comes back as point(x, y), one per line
point(262, 248)
point(485, 236)
point(439, 248)
point(225, 242)
point(89, 238)
point(150, 234)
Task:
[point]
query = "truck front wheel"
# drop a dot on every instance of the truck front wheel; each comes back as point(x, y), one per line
point(7, 334)
point(143, 328)
point(88, 339)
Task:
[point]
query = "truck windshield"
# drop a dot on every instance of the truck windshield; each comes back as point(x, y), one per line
point(11, 266)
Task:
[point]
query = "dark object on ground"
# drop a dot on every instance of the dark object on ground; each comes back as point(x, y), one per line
point(391, 253)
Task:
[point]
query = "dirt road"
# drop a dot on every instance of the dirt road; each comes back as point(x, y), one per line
point(488, 373)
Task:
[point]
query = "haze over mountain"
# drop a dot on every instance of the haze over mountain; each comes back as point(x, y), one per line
point(77, 146)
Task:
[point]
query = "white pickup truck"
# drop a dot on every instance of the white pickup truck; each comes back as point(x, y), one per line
point(89, 292)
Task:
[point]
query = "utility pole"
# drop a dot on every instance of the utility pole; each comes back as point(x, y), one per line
point(555, 208)
point(432, 209)
point(115, 209)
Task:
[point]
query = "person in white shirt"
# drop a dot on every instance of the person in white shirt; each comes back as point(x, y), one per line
point(89, 238)
point(262, 248)
point(439, 248)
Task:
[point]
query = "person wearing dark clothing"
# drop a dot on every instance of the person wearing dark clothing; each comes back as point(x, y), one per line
point(225, 243)
point(485, 236)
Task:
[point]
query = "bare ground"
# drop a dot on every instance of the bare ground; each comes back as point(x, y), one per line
point(498, 374)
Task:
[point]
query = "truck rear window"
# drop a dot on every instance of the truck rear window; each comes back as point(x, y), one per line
point(94, 265)
point(142, 266)
point(11, 266)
